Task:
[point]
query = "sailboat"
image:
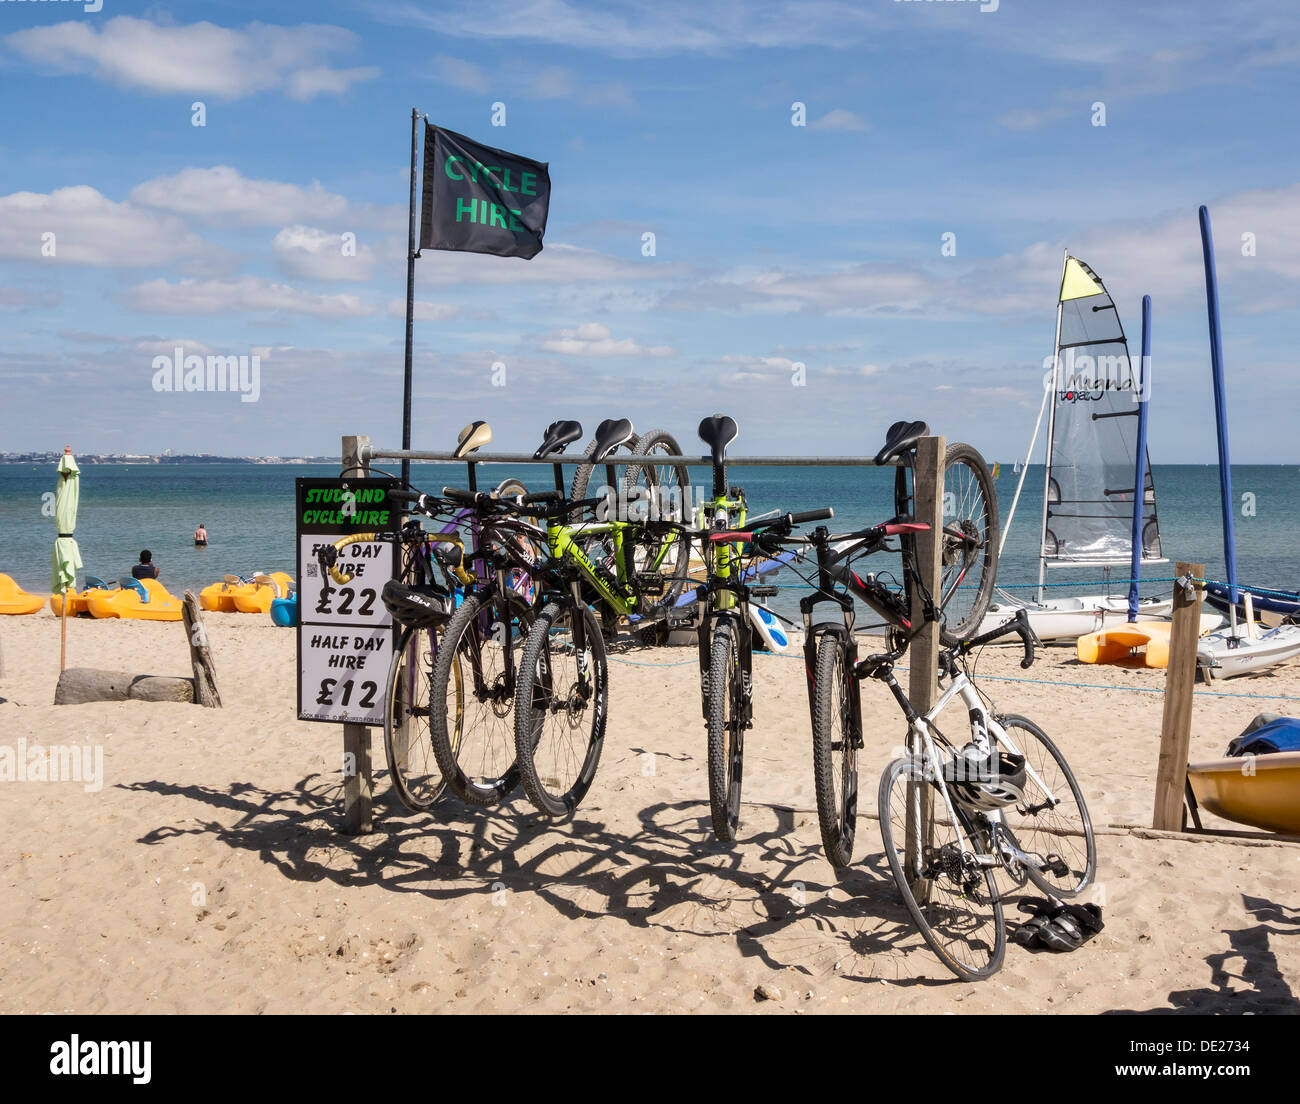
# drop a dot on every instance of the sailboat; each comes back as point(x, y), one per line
point(1093, 514)
point(1244, 646)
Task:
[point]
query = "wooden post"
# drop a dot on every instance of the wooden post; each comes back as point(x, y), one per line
point(205, 671)
point(923, 654)
point(358, 785)
point(1180, 682)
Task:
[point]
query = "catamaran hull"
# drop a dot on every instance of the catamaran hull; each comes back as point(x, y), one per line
point(1223, 655)
point(1069, 618)
point(1217, 596)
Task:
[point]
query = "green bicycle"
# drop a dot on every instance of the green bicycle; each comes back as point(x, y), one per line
point(562, 692)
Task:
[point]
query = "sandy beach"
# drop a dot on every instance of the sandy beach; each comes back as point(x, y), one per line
point(207, 873)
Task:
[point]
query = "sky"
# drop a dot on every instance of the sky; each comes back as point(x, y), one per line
point(896, 256)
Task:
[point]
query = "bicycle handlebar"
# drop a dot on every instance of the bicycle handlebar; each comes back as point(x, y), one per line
point(1019, 626)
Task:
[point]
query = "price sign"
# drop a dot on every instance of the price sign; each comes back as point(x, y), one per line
point(345, 635)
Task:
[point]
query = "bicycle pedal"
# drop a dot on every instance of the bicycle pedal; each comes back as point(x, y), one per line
point(764, 591)
point(651, 583)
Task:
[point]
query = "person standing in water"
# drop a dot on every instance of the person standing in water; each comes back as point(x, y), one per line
point(146, 568)
point(200, 537)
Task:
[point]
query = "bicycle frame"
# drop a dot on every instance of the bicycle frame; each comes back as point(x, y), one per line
point(562, 542)
point(923, 746)
point(724, 594)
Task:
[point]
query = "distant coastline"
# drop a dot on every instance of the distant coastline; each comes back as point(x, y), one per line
point(164, 458)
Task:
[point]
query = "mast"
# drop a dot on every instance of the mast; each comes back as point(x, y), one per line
point(1140, 475)
point(1051, 428)
point(1220, 408)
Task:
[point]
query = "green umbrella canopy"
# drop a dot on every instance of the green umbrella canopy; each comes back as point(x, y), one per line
point(66, 557)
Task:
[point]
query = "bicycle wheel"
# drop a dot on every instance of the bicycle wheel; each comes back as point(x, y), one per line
point(413, 769)
point(581, 486)
point(969, 554)
point(472, 697)
point(835, 758)
point(661, 492)
point(1056, 828)
point(953, 900)
point(564, 700)
point(725, 697)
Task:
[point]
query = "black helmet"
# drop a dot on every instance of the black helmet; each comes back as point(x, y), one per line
point(420, 607)
point(992, 782)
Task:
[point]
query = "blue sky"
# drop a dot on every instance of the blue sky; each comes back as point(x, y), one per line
point(774, 243)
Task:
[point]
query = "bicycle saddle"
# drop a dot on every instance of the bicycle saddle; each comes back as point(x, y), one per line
point(718, 432)
point(610, 434)
point(901, 438)
point(558, 434)
point(473, 436)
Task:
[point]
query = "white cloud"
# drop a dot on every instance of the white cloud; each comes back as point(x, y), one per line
point(425, 311)
point(222, 193)
point(464, 75)
point(841, 119)
point(552, 83)
point(594, 340)
point(196, 59)
point(247, 293)
point(556, 264)
point(91, 229)
point(316, 254)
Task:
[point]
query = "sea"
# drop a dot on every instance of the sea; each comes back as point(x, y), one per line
point(248, 511)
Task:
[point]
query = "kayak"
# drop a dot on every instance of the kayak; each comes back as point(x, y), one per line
point(79, 599)
point(136, 599)
point(1260, 790)
point(15, 600)
point(265, 590)
point(1118, 643)
point(1071, 618)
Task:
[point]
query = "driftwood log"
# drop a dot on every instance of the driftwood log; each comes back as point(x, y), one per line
point(78, 685)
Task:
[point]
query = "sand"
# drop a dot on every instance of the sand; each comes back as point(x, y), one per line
point(208, 875)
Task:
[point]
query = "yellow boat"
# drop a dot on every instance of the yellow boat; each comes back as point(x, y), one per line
point(1118, 643)
point(136, 599)
point(265, 590)
point(1260, 790)
point(15, 600)
point(220, 597)
point(77, 600)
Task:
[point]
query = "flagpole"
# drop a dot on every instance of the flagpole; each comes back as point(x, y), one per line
point(410, 301)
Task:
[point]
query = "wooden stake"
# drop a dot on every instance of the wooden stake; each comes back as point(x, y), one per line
point(1180, 684)
point(205, 671)
point(923, 653)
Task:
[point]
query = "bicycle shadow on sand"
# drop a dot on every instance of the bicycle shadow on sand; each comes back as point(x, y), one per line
point(772, 894)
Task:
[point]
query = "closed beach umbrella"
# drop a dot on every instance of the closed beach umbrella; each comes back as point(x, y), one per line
point(66, 557)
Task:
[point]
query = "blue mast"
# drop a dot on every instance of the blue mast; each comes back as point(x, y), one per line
point(1140, 477)
point(1220, 406)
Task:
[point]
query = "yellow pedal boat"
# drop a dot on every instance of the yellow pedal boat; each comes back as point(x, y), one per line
point(136, 599)
point(14, 600)
point(266, 589)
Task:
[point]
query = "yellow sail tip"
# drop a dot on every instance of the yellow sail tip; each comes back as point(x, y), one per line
point(1078, 283)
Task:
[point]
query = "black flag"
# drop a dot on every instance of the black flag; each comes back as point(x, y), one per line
point(481, 200)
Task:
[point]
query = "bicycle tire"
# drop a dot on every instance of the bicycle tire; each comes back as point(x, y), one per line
point(986, 963)
point(552, 792)
point(493, 774)
point(837, 812)
point(726, 741)
point(416, 789)
point(970, 505)
point(578, 489)
point(649, 548)
point(1061, 826)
